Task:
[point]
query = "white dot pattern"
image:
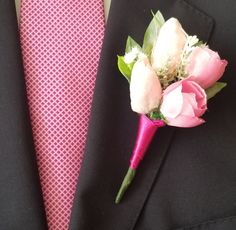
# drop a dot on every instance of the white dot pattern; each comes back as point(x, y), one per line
point(61, 42)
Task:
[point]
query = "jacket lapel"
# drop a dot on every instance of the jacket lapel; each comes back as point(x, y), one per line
point(113, 126)
point(21, 202)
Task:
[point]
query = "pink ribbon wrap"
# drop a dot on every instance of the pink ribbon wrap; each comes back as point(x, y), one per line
point(147, 129)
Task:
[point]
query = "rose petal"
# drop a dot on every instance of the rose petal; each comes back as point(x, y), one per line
point(172, 87)
point(189, 104)
point(201, 98)
point(185, 121)
point(172, 102)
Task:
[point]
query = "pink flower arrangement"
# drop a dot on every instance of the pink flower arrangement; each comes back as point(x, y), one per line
point(172, 77)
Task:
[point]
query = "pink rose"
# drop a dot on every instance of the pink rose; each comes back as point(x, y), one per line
point(184, 102)
point(205, 67)
point(145, 87)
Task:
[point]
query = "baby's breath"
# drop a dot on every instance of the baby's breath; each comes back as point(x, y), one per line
point(167, 78)
point(192, 42)
point(131, 56)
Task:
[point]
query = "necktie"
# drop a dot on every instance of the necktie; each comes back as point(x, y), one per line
point(61, 42)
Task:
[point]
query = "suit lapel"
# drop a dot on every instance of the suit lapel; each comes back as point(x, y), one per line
point(113, 125)
point(21, 202)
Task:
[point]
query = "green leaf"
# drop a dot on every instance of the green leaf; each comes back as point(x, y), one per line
point(124, 68)
point(130, 44)
point(152, 32)
point(216, 88)
point(155, 115)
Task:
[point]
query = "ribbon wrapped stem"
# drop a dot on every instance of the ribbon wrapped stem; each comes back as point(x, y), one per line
point(146, 131)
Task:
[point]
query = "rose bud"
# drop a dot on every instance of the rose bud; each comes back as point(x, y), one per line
point(205, 67)
point(145, 87)
point(169, 46)
point(184, 102)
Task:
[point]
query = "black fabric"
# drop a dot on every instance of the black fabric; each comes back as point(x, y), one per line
point(219, 224)
point(21, 204)
point(187, 179)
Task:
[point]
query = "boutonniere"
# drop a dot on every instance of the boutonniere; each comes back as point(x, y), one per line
point(172, 77)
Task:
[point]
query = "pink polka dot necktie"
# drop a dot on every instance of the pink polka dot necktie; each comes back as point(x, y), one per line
point(61, 42)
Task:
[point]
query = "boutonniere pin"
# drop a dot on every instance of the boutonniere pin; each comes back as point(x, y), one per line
point(172, 77)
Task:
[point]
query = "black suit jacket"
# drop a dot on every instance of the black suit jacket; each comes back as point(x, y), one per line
point(188, 177)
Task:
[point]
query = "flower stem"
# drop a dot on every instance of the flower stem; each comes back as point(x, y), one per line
point(125, 184)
